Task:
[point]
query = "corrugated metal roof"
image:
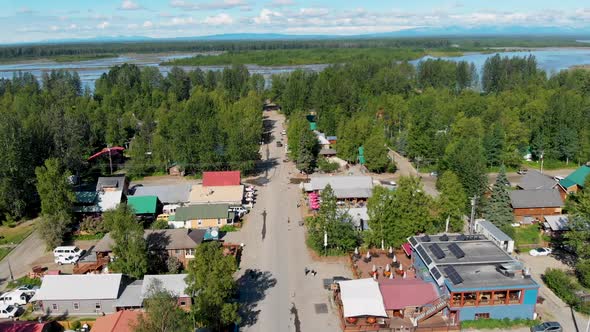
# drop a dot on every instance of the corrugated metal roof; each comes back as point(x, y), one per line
point(536, 180)
point(143, 204)
point(202, 211)
point(174, 283)
point(166, 194)
point(576, 178)
point(115, 182)
point(168, 239)
point(109, 200)
point(492, 229)
point(226, 178)
point(343, 186)
point(79, 287)
point(558, 223)
point(131, 296)
point(400, 293)
point(535, 199)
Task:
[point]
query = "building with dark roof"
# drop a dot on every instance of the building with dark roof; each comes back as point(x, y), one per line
point(475, 278)
point(534, 180)
point(536, 203)
point(202, 216)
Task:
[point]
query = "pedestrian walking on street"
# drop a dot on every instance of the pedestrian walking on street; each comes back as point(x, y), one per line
point(306, 271)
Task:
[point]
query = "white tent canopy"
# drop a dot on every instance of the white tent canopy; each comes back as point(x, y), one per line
point(361, 297)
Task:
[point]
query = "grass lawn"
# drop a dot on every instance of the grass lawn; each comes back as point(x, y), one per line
point(3, 252)
point(17, 234)
point(527, 235)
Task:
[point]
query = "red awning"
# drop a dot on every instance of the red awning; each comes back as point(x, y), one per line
point(407, 248)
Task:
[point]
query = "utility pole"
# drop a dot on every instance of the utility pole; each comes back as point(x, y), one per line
point(110, 159)
point(542, 155)
point(472, 219)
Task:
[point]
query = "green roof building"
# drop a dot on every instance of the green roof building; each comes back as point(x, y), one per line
point(143, 204)
point(577, 178)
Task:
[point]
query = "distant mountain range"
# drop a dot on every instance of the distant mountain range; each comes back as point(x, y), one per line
point(451, 31)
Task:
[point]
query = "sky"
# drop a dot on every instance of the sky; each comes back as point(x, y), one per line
point(42, 20)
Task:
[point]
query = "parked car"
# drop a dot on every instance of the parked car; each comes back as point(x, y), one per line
point(540, 252)
point(8, 311)
point(30, 290)
point(241, 211)
point(522, 171)
point(279, 144)
point(67, 260)
point(250, 188)
point(547, 327)
point(15, 298)
point(67, 251)
point(283, 132)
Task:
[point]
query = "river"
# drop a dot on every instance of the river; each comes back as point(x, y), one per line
point(551, 60)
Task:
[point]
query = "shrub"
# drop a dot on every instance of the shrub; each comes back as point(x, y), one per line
point(173, 264)
point(498, 323)
point(159, 224)
point(391, 167)
point(76, 325)
point(562, 285)
point(583, 272)
point(326, 166)
point(93, 225)
point(228, 228)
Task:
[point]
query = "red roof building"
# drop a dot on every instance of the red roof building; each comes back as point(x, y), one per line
point(217, 179)
point(120, 321)
point(22, 326)
point(401, 293)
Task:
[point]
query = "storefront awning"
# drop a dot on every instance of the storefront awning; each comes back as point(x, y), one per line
point(407, 247)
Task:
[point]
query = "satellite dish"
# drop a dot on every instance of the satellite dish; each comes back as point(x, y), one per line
point(214, 233)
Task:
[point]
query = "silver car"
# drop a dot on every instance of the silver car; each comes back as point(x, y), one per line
point(547, 327)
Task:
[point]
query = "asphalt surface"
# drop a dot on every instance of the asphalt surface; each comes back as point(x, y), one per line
point(276, 294)
point(20, 260)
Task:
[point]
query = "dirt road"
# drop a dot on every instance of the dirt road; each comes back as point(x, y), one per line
point(276, 294)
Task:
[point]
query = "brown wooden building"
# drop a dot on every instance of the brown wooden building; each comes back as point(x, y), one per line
point(536, 204)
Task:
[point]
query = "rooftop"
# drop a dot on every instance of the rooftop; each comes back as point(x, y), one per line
point(220, 194)
point(143, 204)
point(536, 180)
point(163, 239)
point(173, 283)
point(557, 223)
point(343, 186)
point(400, 293)
point(535, 198)
point(202, 211)
point(361, 297)
point(130, 296)
point(166, 194)
point(120, 321)
point(576, 178)
point(226, 178)
point(358, 214)
point(493, 230)
point(79, 287)
point(111, 182)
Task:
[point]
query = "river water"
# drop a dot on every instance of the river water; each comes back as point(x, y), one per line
point(550, 60)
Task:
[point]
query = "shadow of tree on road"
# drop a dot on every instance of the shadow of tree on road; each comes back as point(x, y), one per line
point(253, 286)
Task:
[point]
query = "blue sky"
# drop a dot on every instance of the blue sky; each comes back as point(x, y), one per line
point(37, 20)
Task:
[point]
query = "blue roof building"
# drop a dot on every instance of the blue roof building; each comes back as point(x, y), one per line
point(475, 277)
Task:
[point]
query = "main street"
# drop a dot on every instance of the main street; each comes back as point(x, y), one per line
point(275, 293)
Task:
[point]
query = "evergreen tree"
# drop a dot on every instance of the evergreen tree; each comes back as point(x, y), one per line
point(376, 151)
point(451, 202)
point(335, 223)
point(308, 146)
point(130, 248)
point(498, 210)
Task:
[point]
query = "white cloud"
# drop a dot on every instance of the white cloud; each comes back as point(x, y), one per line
point(103, 25)
point(25, 10)
point(214, 5)
point(130, 5)
point(282, 3)
point(179, 21)
point(220, 19)
point(132, 26)
point(148, 24)
point(266, 16)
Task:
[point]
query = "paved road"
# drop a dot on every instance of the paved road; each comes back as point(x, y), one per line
point(21, 258)
point(278, 296)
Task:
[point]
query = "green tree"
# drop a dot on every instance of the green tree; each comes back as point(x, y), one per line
point(578, 236)
point(308, 149)
point(396, 215)
point(498, 210)
point(57, 198)
point(333, 222)
point(376, 151)
point(129, 248)
point(451, 202)
point(161, 312)
point(210, 281)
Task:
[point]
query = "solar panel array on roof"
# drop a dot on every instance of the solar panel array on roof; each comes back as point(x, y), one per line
point(435, 273)
point(413, 241)
point(453, 275)
point(424, 256)
point(445, 237)
point(426, 238)
point(458, 252)
point(437, 251)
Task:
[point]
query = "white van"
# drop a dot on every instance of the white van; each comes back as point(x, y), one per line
point(8, 311)
point(66, 251)
point(66, 259)
point(15, 297)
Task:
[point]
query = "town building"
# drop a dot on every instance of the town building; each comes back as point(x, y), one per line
point(351, 189)
point(171, 196)
point(79, 294)
point(556, 225)
point(475, 278)
point(575, 181)
point(232, 195)
point(179, 243)
point(220, 179)
point(493, 233)
point(535, 204)
point(145, 207)
point(202, 216)
point(359, 217)
point(173, 283)
point(535, 180)
point(121, 321)
point(108, 193)
point(24, 326)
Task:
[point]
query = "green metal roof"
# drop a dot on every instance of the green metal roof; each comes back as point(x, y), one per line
point(202, 211)
point(143, 204)
point(313, 126)
point(576, 178)
point(86, 197)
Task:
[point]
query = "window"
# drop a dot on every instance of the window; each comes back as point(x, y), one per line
point(76, 306)
point(499, 297)
point(469, 299)
point(190, 252)
point(177, 251)
point(514, 296)
point(483, 315)
point(54, 307)
point(98, 306)
point(484, 298)
point(456, 300)
point(182, 303)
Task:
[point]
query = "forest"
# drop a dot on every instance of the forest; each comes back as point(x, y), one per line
point(196, 120)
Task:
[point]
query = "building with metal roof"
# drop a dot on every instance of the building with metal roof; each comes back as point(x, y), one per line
point(575, 181)
point(144, 204)
point(224, 178)
point(535, 203)
point(475, 276)
point(344, 187)
point(557, 223)
point(200, 194)
point(202, 216)
point(170, 194)
point(491, 232)
point(534, 180)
